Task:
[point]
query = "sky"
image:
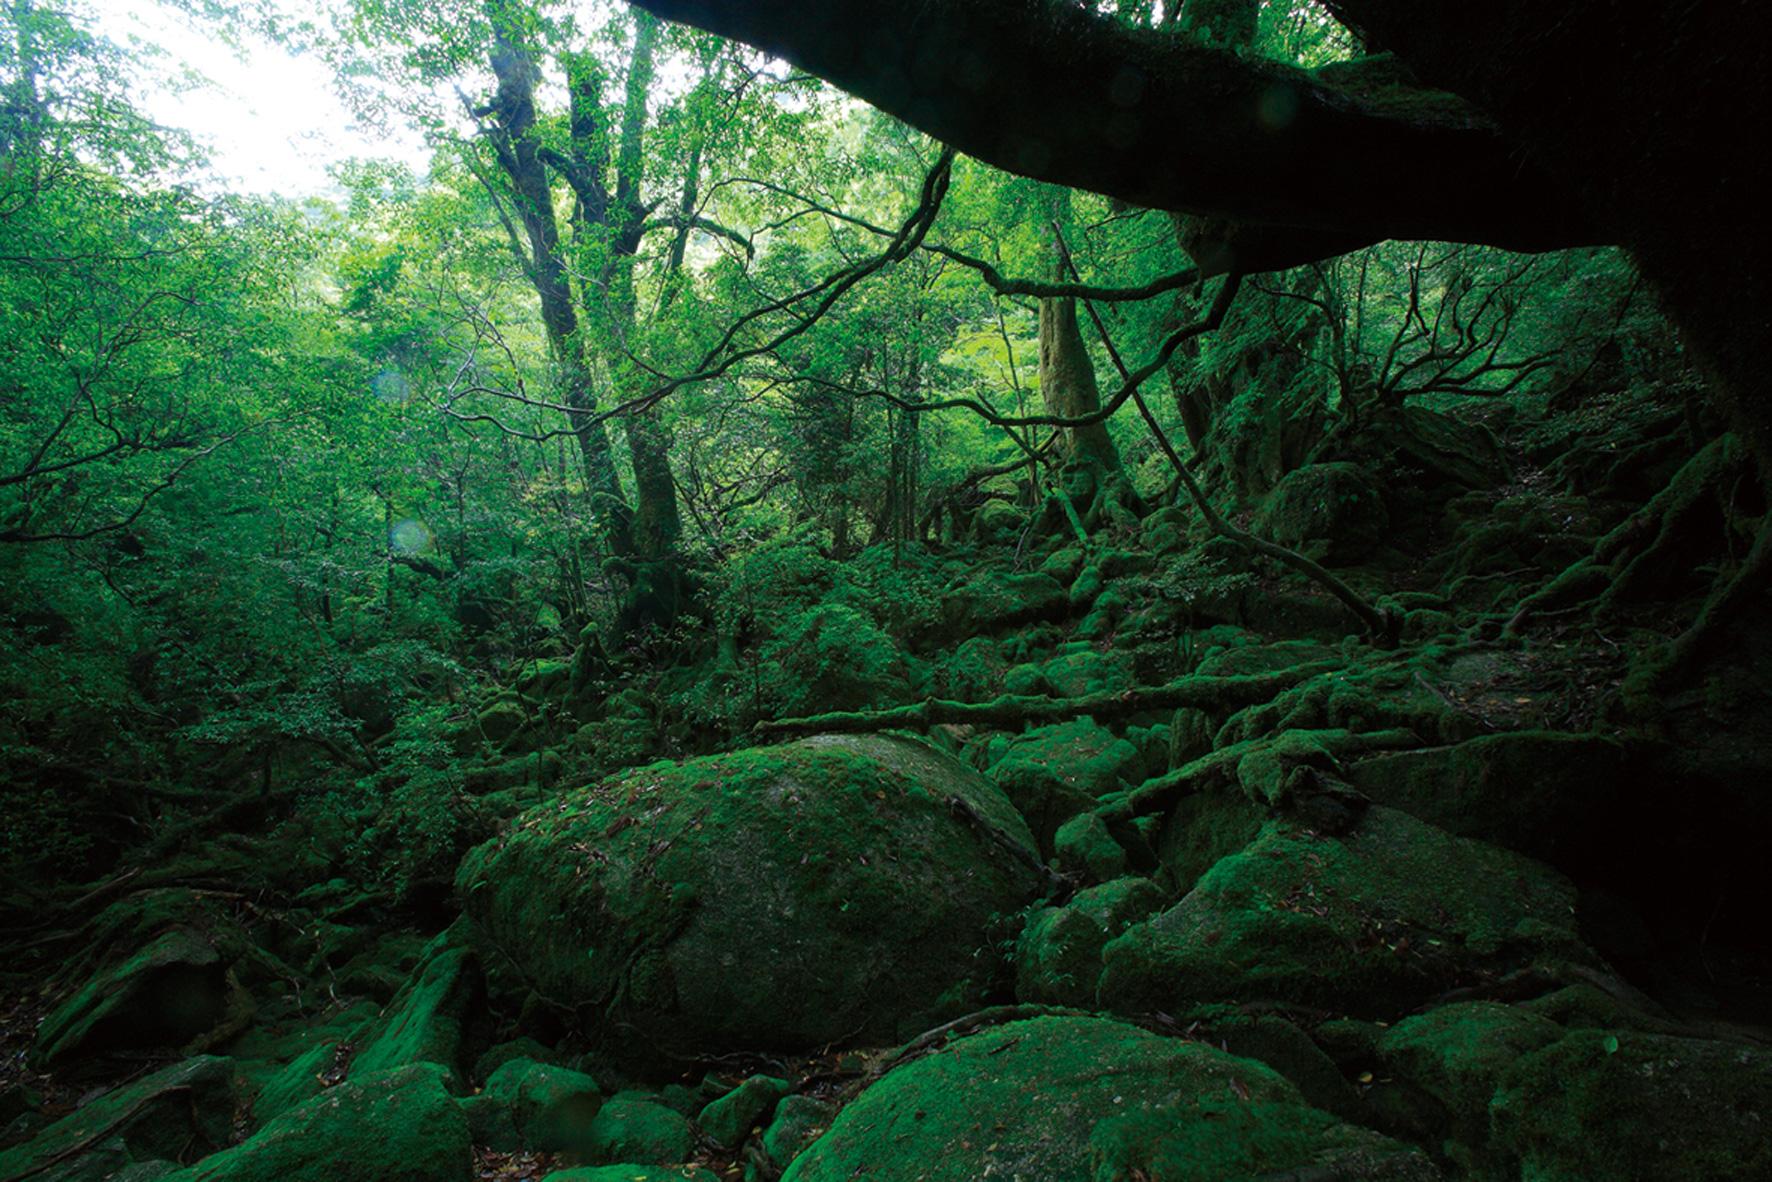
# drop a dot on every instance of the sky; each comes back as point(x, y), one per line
point(272, 120)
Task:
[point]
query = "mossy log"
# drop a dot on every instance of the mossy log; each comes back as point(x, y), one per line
point(1208, 693)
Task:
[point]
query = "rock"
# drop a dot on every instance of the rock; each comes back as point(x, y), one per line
point(833, 657)
point(530, 1105)
point(1058, 957)
point(400, 1126)
point(166, 982)
point(1084, 847)
point(178, 1112)
point(1333, 512)
point(1282, 1045)
point(1054, 772)
point(425, 1022)
point(635, 1128)
point(799, 1121)
point(778, 898)
point(633, 1172)
point(729, 1119)
point(503, 721)
point(1072, 1099)
point(297, 1083)
point(1089, 671)
point(994, 600)
point(1603, 1106)
point(1447, 1063)
point(1532, 791)
point(1389, 916)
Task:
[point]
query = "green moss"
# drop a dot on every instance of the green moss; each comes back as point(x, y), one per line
point(1058, 956)
point(1619, 1106)
point(424, 1024)
point(400, 1126)
point(529, 1105)
point(633, 1172)
point(1075, 1099)
point(799, 1121)
point(1333, 512)
point(777, 898)
point(1083, 846)
point(177, 1112)
point(729, 1119)
point(1392, 914)
point(634, 1128)
point(1054, 772)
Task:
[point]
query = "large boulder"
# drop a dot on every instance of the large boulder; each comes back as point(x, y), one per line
point(1058, 957)
point(1386, 917)
point(1618, 1106)
point(1333, 511)
point(782, 897)
point(1053, 773)
point(1076, 1099)
point(160, 978)
point(400, 1126)
point(177, 1112)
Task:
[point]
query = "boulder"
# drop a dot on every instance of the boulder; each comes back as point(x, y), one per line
point(994, 600)
point(1084, 847)
point(1333, 512)
point(728, 1120)
point(779, 898)
point(162, 980)
point(1382, 919)
point(425, 1022)
point(530, 1105)
point(178, 1112)
point(1054, 772)
point(636, 1128)
point(1058, 957)
point(1076, 1099)
point(1619, 1106)
point(798, 1122)
point(400, 1126)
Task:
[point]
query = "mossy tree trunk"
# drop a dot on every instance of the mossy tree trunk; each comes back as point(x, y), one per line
point(1067, 375)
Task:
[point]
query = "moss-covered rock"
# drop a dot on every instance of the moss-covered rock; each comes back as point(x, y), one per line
point(1084, 847)
point(1055, 772)
point(1088, 671)
point(1525, 789)
point(1067, 1099)
point(798, 1122)
point(993, 600)
point(159, 978)
point(530, 1105)
point(1601, 1106)
point(777, 898)
point(425, 1023)
point(400, 1126)
point(1377, 921)
point(1058, 957)
point(1334, 512)
point(634, 1127)
point(633, 1172)
point(176, 1113)
point(728, 1120)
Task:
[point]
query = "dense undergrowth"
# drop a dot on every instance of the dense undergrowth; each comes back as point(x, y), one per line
point(1347, 763)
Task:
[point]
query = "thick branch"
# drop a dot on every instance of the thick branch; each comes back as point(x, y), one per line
point(1014, 710)
point(1058, 92)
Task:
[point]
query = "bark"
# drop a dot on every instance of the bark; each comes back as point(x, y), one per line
point(1207, 693)
point(1306, 167)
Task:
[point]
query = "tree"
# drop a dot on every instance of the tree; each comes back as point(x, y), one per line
point(1519, 125)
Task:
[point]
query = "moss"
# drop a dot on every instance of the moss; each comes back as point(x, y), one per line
point(1381, 920)
point(1070, 1099)
point(400, 1126)
point(633, 1172)
point(1527, 790)
point(425, 1022)
point(994, 600)
point(777, 898)
point(1055, 772)
point(1332, 512)
point(1058, 956)
point(1455, 1057)
point(798, 1121)
point(529, 1105)
point(177, 1112)
point(729, 1119)
point(635, 1128)
point(1617, 1106)
point(1084, 847)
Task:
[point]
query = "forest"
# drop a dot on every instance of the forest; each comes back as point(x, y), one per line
point(1042, 590)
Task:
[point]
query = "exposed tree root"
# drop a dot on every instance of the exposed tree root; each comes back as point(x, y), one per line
point(1016, 709)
